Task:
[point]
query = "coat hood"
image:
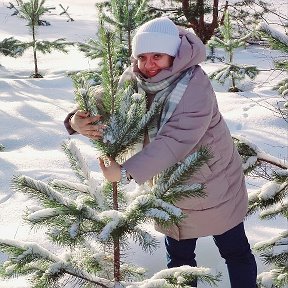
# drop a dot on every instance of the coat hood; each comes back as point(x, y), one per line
point(191, 52)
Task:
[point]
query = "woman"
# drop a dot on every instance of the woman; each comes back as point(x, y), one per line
point(165, 64)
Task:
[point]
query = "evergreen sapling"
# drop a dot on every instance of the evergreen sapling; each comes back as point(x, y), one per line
point(32, 11)
point(81, 215)
point(92, 219)
point(123, 17)
point(270, 201)
point(231, 71)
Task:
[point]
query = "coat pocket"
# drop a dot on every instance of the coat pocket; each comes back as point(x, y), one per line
point(216, 191)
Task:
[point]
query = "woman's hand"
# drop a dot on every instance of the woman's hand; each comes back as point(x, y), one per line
point(112, 172)
point(81, 122)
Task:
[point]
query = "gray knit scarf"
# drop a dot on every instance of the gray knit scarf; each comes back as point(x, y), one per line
point(171, 89)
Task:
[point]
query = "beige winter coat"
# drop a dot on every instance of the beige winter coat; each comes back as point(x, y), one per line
point(196, 122)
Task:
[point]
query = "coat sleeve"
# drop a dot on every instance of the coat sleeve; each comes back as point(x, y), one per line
point(67, 125)
point(181, 134)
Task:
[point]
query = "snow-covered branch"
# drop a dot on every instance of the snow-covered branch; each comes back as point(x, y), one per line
point(57, 265)
point(260, 155)
point(179, 275)
point(273, 32)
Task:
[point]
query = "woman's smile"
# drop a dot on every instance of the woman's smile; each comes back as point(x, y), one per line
point(152, 73)
point(150, 64)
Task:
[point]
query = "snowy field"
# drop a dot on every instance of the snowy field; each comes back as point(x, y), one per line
point(32, 131)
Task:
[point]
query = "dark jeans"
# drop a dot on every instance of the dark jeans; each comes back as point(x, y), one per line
point(233, 247)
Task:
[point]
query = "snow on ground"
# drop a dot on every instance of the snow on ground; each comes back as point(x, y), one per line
point(32, 131)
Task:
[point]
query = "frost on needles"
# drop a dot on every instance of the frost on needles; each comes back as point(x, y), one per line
point(91, 220)
point(79, 216)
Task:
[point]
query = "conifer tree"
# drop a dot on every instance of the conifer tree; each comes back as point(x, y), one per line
point(123, 18)
point(232, 71)
point(87, 217)
point(94, 219)
point(32, 11)
point(270, 201)
point(204, 17)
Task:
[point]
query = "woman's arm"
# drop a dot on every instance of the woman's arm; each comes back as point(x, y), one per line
point(67, 124)
point(182, 133)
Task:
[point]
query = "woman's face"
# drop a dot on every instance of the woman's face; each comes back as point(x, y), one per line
point(150, 64)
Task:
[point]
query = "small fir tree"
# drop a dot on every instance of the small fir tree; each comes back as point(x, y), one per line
point(94, 218)
point(123, 17)
point(96, 226)
point(271, 201)
point(271, 198)
point(124, 127)
point(232, 71)
point(126, 17)
point(32, 11)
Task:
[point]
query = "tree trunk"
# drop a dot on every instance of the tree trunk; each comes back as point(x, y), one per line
point(233, 88)
point(203, 29)
point(36, 72)
point(116, 248)
point(117, 272)
point(115, 196)
point(111, 77)
point(129, 30)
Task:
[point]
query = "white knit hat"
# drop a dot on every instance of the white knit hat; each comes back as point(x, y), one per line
point(159, 35)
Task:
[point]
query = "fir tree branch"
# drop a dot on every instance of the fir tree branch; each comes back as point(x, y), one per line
point(169, 278)
point(77, 162)
point(182, 172)
point(27, 252)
